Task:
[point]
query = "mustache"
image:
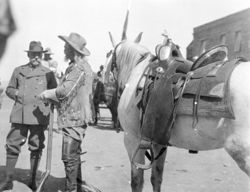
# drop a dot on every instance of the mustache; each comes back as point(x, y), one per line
point(36, 59)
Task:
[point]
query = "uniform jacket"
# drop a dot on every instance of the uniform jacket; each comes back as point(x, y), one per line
point(74, 94)
point(25, 85)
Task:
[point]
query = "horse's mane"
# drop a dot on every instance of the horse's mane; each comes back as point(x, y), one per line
point(128, 56)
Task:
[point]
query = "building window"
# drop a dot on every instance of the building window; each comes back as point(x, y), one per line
point(203, 46)
point(223, 39)
point(237, 43)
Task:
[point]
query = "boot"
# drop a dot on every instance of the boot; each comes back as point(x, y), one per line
point(71, 170)
point(79, 178)
point(34, 163)
point(71, 159)
point(10, 167)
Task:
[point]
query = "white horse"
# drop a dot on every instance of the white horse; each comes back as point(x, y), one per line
point(231, 134)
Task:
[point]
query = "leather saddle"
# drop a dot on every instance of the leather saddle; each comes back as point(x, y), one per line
point(207, 92)
point(159, 87)
point(202, 92)
point(217, 53)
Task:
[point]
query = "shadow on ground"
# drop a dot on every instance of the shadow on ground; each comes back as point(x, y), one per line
point(104, 123)
point(22, 176)
point(21, 180)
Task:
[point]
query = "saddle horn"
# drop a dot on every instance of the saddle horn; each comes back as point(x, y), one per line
point(138, 38)
point(112, 39)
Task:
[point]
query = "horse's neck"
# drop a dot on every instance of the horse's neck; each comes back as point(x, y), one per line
point(137, 72)
point(127, 71)
point(123, 76)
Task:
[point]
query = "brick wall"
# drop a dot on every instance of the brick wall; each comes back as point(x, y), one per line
point(232, 30)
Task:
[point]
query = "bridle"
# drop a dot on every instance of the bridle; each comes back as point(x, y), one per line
point(114, 63)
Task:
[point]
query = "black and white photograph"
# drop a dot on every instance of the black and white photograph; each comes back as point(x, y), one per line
point(124, 96)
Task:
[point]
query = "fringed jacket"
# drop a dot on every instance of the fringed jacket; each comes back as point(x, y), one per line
point(73, 93)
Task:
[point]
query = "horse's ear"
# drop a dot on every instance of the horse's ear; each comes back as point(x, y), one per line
point(138, 38)
point(112, 39)
point(125, 26)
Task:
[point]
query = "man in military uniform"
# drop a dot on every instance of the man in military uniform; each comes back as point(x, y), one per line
point(29, 113)
point(74, 110)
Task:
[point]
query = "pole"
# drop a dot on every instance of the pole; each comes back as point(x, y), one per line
point(49, 149)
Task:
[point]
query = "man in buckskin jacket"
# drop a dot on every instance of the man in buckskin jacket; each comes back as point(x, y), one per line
point(29, 114)
point(74, 111)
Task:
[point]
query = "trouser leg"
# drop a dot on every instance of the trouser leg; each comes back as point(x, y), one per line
point(36, 145)
point(7, 184)
point(34, 164)
point(79, 177)
point(71, 158)
point(96, 105)
point(92, 110)
point(15, 139)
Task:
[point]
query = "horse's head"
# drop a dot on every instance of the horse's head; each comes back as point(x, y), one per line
point(121, 60)
point(125, 57)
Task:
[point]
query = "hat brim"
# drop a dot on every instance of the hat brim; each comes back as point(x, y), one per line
point(84, 51)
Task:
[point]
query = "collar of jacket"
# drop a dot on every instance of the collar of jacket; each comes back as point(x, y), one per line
point(28, 71)
point(80, 65)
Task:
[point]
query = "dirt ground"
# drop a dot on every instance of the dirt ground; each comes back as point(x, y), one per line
point(107, 166)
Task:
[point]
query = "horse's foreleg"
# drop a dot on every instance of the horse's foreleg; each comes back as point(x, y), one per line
point(239, 150)
point(157, 170)
point(137, 179)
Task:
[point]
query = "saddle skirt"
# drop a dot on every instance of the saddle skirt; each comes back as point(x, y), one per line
point(158, 103)
point(209, 85)
point(206, 93)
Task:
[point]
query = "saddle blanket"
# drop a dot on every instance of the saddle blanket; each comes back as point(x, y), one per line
point(211, 84)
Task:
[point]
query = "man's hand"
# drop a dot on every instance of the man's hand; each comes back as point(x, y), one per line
point(48, 94)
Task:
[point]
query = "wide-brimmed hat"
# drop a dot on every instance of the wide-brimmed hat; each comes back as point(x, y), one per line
point(77, 42)
point(35, 46)
point(48, 51)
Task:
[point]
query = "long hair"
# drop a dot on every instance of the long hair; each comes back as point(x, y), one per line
point(128, 56)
